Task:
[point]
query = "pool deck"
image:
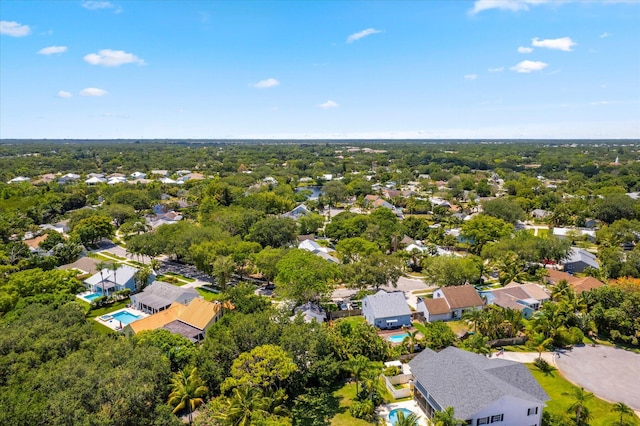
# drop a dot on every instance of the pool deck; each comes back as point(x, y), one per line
point(115, 324)
point(384, 410)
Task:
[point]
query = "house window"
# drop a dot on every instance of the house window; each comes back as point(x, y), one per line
point(532, 411)
point(483, 421)
point(497, 418)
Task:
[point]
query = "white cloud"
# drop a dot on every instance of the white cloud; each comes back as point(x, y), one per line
point(63, 94)
point(266, 83)
point(92, 91)
point(605, 35)
point(52, 50)
point(529, 66)
point(329, 104)
point(498, 69)
point(470, 76)
point(97, 5)
point(14, 29)
point(523, 49)
point(112, 58)
point(511, 5)
point(563, 43)
point(362, 34)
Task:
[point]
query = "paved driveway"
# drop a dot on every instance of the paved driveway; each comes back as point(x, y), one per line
point(610, 373)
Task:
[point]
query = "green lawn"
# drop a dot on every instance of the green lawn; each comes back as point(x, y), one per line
point(353, 320)
point(345, 395)
point(560, 391)
point(459, 326)
point(181, 277)
point(208, 295)
point(108, 309)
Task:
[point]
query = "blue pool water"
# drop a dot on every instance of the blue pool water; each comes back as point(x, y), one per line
point(125, 317)
point(398, 338)
point(393, 415)
point(91, 296)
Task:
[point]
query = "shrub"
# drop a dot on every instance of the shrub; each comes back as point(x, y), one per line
point(392, 371)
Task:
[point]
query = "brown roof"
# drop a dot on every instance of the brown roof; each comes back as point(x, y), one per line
point(532, 290)
point(506, 301)
point(35, 242)
point(198, 313)
point(85, 264)
point(579, 284)
point(554, 276)
point(437, 306)
point(462, 296)
point(586, 284)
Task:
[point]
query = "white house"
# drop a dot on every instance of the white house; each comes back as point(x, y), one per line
point(482, 391)
point(138, 175)
point(107, 282)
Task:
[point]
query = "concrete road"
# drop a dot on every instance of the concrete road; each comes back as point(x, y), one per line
point(612, 374)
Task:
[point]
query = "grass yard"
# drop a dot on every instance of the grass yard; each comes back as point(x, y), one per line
point(108, 309)
point(560, 391)
point(459, 326)
point(181, 277)
point(343, 417)
point(208, 295)
point(353, 320)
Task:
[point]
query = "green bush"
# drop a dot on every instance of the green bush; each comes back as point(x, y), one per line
point(392, 371)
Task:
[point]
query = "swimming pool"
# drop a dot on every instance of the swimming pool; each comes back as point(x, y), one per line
point(398, 338)
point(125, 317)
point(91, 296)
point(393, 415)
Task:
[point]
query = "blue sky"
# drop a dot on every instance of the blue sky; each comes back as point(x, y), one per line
point(322, 69)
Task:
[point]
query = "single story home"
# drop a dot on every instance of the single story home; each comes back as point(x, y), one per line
point(86, 265)
point(191, 320)
point(589, 234)
point(526, 298)
point(107, 282)
point(481, 390)
point(160, 295)
point(449, 303)
point(318, 250)
point(579, 260)
point(579, 285)
point(297, 212)
point(386, 310)
point(310, 312)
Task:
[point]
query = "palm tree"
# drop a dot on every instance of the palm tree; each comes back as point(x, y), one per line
point(101, 266)
point(244, 403)
point(114, 268)
point(474, 316)
point(410, 420)
point(447, 418)
point(411, 340)
point(141, 277)
point(623, 409)
point(578, 406)
point(360, 367)
point(187, 391)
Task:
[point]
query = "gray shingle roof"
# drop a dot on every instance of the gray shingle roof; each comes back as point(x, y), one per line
point(161, 294)
point(385, 305)
point(469, 382)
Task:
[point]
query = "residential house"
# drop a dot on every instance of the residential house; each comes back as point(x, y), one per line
point(34, 243)
point(540, 214)
point(481, 390)
point(191, 321)
point(160, 295)
point(310, 312)
point(578, 284)
point(449, 303)
point(95, 180)
point(108, 282)
point(589, 234)
point(297, 212)
point(68, 178)
point(168, 218)
point(19, 179)
point(86, 265)
point(163, 173)
point(44, 179)
point(318, 250)
point(526, 298)
point(579, 260)
point(138, 175)
point(386, 310)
